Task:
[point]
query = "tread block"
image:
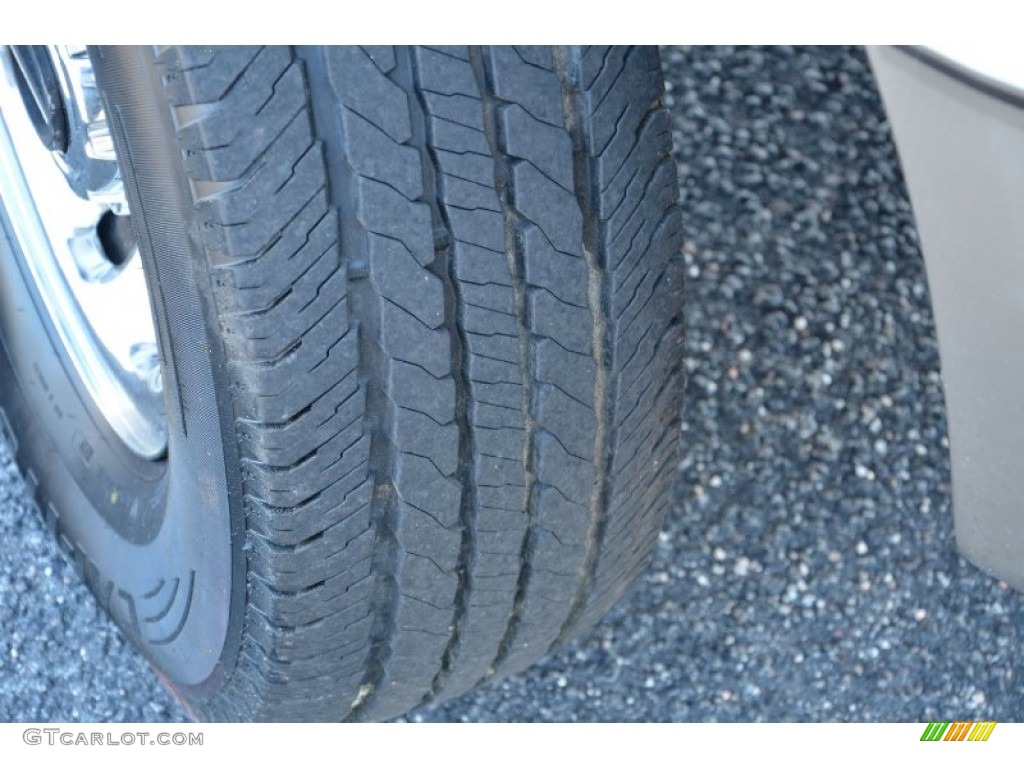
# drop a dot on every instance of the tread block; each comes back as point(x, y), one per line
point(380, 158)
point(360, 86)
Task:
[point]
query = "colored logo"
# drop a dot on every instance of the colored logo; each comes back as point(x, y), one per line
point(959, 731)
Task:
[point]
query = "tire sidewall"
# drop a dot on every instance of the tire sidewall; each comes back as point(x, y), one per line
point(158, 542)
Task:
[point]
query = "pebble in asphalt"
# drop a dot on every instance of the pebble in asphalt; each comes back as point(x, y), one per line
point(807, 570)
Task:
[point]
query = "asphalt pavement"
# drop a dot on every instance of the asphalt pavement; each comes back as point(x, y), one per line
point(807, 570)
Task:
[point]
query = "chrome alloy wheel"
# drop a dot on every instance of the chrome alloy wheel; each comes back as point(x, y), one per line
point(61, 189)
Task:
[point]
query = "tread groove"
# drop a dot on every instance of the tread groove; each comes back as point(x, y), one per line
point(443, 267)
point(513, 248)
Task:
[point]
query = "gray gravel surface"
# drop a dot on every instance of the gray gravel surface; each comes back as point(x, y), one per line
point(807, 570)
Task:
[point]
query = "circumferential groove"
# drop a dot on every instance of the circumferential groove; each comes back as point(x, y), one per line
point(567, 67)
point(478, 57)
point(364, 304)
point(444, 268)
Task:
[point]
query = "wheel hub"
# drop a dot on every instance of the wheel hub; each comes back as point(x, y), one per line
point(60, 185)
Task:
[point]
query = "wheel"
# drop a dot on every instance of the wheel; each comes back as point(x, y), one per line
point(387, 403)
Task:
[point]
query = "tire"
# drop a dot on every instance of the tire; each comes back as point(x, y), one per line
point(419, 314)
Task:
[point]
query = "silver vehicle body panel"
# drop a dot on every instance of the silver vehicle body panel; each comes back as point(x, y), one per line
point(960, 135)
